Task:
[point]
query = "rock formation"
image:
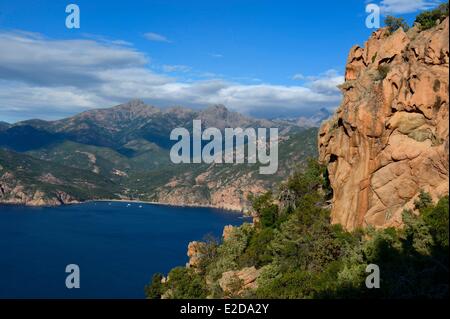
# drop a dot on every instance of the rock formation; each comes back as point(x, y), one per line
point(389, 138)
point(194, 253)
point(13, 192)
point(228, 232)
point(229, 191)
point(237, 281)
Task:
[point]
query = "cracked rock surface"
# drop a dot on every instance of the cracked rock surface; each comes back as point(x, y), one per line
point(389, 137)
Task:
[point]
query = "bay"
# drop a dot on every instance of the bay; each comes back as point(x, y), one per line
point(117, 245)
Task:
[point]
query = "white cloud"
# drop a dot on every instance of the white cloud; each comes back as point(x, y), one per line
point(176, 68)
point(325, 82)
point(151, 36)
point(298, 76)
point(106, 40)
point(216, 55)
point(44, 62)
point(47, 78)
point(406, 6)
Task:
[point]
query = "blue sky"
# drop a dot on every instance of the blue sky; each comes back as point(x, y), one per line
point(266, 58)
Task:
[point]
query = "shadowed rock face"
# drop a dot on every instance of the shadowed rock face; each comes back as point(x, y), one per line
point(389, 138)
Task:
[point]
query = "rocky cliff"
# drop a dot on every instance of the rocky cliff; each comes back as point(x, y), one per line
point(389, 138)
point(227, 190)
point(26, 180)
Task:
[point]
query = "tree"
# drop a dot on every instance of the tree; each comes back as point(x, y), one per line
point(423, 201)
point(303, 255)
point(437, 218)
point(393, 24)
point(207, 252)
point(265, 208)
point(257, 252)
point(428, 19)
point(184, 283)
point(155, 289)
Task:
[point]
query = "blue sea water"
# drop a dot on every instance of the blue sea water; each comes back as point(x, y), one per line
point(117, 247)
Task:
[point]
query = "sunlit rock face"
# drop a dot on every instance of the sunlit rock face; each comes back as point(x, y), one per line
point(389, 138)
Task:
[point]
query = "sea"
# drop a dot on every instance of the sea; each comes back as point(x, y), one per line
point(113, 248)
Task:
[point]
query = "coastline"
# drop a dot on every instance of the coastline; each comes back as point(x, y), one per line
point(241, 211)
point(165, 204)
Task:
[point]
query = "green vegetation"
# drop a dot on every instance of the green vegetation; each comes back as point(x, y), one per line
point(182, 283)
point(154, 290)
point(144, 172)
point(383, 71)
point(374, 57)
point(302, 255)
point(49, 177)
point(393, 24)
point(428, 19)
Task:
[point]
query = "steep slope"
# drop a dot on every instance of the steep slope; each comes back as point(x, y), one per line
point(4, 126)
point(225, 186)
point(389, 139)
point(128, 146)
point(228, 186)
point(30, 181)
point(311, 121)
point(23, 138)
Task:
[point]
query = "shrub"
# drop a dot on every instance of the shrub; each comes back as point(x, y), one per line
point(257, 252)
point(374, 57)
point(428, 19)
point(184, 283)
point(229, 252)
point(423, 201)
point(383, 71)
point(393, 24)
point(155, 289)
point(302, 255)
point(265, 208)
point(437, 219)
point(207, 252)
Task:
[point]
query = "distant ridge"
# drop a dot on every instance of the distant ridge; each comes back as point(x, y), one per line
point(128, 144)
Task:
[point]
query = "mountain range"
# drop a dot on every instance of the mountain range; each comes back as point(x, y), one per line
point(123, 153)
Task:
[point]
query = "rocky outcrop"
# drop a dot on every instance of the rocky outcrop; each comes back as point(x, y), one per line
point(228, 232)
point(12, 192)
point(194, 253)
point(225, 190)
point(237, 281)
point(389, 138)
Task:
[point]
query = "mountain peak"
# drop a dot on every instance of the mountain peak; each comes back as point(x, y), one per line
point(127, 115)
point(130, 110)
point(135, 104)
point(217, 109)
